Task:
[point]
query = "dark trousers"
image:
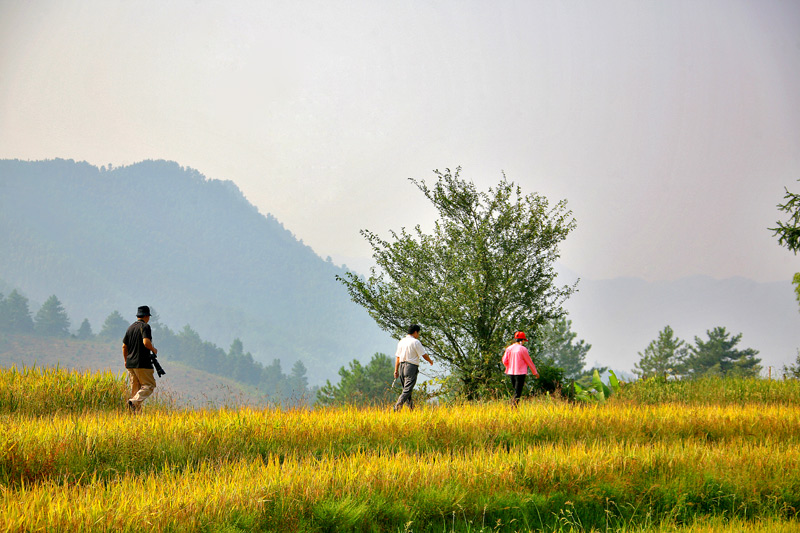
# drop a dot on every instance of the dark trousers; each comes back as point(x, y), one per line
point(408, 377)
point(517, 381)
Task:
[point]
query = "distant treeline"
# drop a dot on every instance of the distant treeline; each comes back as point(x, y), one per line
point(186, 346)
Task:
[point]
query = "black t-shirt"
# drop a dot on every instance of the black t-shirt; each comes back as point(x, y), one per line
point(138, 354)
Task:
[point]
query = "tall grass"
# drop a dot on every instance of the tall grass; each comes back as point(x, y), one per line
point(714, 390)
point(632, 464)
point(43, 391)
point(68, 447)
point(539, 487)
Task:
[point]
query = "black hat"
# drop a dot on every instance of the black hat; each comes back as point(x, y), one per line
point(143, 311)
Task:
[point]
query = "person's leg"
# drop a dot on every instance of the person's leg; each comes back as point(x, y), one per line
point(402, 398)
point(135, 383)
point(411, 376)
point(147, 384)
point(518, 382)
point(135, 386)
point(520, 385)
point(408, 377)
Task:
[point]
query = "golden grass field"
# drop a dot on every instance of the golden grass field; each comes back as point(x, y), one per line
point(722, 457)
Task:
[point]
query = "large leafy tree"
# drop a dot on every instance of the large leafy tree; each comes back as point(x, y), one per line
point(664, 355)
point(359, 384)
point(51, 319)
point(718, 356)
point(484, 272)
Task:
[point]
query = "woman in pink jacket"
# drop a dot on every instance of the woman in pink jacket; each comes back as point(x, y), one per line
point(517, 360)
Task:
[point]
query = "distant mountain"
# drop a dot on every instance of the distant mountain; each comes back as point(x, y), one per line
point(194, 249)
point(620, 317)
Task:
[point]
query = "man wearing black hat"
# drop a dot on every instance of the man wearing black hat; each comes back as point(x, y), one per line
point(136, 347)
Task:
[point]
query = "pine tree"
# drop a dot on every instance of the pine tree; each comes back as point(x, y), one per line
point(51, 319)
point(555, 346)
point(361, 385)
point(18, 315)
point(85, 331)
point(665, 355)
point(114, 327)
point(718, 357)
point(298, 382)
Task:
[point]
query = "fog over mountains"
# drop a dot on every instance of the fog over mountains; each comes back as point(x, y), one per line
point(194, 249)
point(198, 252)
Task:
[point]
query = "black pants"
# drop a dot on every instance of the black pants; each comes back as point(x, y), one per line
point(408, 377)
point(518, 382)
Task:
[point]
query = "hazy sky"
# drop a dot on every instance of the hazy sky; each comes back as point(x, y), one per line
point(671, 127)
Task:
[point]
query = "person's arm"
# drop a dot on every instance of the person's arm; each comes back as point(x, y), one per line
point(124, 354)
point(422, 352)
point(149, 345)
point(396, 367)
point(529, 362)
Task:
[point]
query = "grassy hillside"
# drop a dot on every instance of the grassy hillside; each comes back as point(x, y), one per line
point(194, 249)
point(181, 386)
point(548, 466)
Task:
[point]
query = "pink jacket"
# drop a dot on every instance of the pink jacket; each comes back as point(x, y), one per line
point(516, 360)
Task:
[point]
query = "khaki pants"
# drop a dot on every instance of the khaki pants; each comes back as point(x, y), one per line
point(142, 384)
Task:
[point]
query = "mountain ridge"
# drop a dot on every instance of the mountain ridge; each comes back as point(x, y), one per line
point(194, 249)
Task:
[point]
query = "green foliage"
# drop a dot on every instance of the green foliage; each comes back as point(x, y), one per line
point(85, 331)
point(711, 390)
point(187, 346)
point(551, 379)
point(17, 315)
point(793, 370)
point(297, 380)
point(788, 232)
point(796, 282)
point(555, 345)
point(597, 390)
point(52, 319)
point(114, 327)
point(363, 385)
point(718, 357)
point(663, 356)
point(484, 272)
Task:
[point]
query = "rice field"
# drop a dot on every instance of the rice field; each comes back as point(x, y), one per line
point(718, 461)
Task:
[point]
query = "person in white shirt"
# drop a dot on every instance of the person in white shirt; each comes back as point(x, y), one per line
point(406, 365)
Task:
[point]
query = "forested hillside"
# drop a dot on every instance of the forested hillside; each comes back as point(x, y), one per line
point(194, 249)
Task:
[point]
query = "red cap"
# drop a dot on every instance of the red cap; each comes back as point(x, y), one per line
point(520, 336)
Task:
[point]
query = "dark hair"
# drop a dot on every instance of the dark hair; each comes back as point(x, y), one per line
point(413, 328)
